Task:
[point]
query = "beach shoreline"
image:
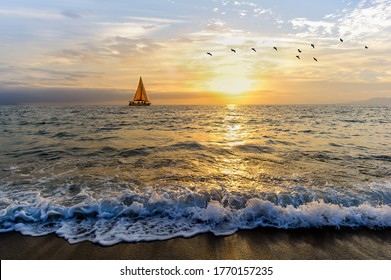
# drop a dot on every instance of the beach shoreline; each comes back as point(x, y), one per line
point(260, 243)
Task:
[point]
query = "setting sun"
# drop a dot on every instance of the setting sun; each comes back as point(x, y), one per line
point(231, 84)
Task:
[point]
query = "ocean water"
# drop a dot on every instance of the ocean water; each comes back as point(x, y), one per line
point(112, 174)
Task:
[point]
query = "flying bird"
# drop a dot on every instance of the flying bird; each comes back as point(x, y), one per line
point(341, 40)
point(313, 46)
point(366, 47)
point(275, 48)
point(298, 57)
point(209, 53)
point(254, 49)
point(232, 50)
point(315, 59)
point(299, 50)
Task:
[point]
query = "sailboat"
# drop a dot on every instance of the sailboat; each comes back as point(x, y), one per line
point(140, 97)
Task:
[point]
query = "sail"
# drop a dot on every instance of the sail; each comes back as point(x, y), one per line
point(141, 94)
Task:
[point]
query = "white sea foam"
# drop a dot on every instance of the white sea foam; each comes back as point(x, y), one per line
point(109, 221)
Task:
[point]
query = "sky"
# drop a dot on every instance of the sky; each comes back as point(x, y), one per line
point(94, 51)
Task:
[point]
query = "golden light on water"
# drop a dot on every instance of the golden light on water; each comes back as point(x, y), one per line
point(231, 107)
point(235, 133)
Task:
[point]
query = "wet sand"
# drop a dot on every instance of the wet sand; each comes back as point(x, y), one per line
point(262, 243)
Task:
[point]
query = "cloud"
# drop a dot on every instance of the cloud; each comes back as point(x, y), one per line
point(312, 27)
point(367, 19)
point(46, 76)
point(71, 14)
point(241, 8)
point(245, 3)
point(136, 27)
point(30, 13)
point(149, 26)
point(156, 20)
point(354, 23)
point(23, 95)
point(261, 11)
point(47, 14)
point(217, 25)
point(131, 47)
point(69, 53)
point(123, 29)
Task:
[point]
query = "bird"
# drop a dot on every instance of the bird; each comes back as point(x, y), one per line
point(209, 53)
point(341, 40)
point(232, 50)
point(298, 56)
point(366, 47)
point(299, 50)
point(275, 48)
point(254, 49)
point(313, 46)
point(315, 59)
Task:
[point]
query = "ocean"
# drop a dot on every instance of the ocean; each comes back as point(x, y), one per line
point(111, 174)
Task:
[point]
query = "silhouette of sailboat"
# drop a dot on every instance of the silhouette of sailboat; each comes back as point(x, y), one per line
point(140, 97)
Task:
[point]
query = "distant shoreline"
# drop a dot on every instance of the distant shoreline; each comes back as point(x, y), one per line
point(261, 243)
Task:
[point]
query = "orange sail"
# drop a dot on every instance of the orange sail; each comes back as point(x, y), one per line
point(140, 97)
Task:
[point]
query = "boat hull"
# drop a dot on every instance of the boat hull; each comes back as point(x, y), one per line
point(133, 103)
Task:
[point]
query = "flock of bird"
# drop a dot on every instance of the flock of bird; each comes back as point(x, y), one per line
point(275, 48)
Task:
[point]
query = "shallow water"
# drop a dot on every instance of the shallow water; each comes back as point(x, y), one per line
point(111, 174)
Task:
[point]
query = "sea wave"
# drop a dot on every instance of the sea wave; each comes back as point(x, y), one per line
point(109, 174)
point(135, 217)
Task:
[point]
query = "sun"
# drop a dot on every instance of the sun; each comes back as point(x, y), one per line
point(232, 84)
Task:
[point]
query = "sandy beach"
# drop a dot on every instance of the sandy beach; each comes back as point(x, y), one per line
point(324, 244)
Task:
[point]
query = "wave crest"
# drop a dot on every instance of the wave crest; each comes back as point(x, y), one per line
point(158, 217)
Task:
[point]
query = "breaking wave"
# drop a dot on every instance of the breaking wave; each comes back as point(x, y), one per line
point(159, 216)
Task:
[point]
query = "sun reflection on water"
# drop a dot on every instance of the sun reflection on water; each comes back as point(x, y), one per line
point(234, 136)
point(235, 133)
